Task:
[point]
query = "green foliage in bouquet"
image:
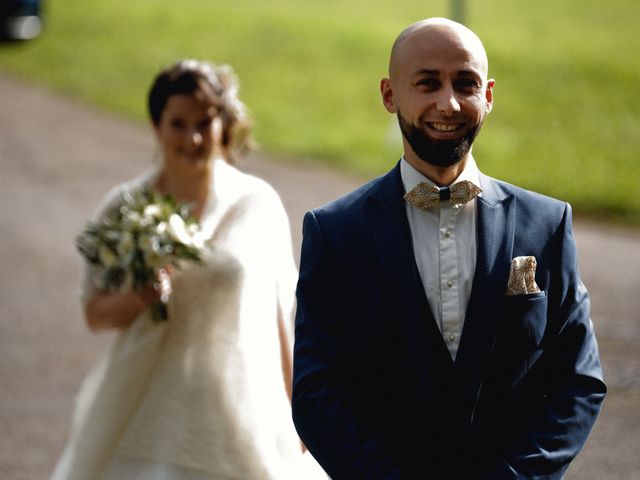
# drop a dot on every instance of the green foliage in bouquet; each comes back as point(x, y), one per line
point(143, 233)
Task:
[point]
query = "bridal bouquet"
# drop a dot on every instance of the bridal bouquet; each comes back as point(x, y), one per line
point(142, 235)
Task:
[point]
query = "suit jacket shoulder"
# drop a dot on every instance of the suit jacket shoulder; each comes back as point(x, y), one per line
point(527, 200)
point(352, 201)
point(345, 221)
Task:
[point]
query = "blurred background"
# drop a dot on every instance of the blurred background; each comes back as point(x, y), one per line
point(566, 116)
point(74, 77)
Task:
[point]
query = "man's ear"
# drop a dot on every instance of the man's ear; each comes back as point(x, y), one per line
point(488, 94)
point(387, 95)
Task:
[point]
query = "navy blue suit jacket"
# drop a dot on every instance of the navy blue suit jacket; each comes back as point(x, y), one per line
point(376, 393)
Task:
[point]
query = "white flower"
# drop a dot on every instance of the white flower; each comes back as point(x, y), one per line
point(152, 210)
point(108, 259)
point(146, 222)
point(161, 228)
point(133, 217)
point(177, 229)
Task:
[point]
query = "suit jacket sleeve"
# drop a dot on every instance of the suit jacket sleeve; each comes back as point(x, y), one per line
point(323, 410)
point(566, 388)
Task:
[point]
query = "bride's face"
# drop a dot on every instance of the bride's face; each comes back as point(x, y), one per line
point(186, 133)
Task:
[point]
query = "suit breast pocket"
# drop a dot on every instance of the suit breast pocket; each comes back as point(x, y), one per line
point(525, 318)
point(519, 338)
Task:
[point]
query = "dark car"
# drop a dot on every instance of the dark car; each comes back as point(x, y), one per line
point(20, 19)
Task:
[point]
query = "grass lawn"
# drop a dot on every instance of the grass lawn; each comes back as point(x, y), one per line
point(566, 119)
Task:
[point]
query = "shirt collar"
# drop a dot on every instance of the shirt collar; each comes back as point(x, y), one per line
point(412, 177)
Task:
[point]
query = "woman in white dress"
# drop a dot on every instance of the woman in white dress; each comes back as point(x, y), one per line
point(204, 395)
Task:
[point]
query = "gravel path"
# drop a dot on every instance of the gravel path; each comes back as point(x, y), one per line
point(58, 159)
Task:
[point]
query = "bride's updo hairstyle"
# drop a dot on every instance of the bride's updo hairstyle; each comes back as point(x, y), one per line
point(215, 84)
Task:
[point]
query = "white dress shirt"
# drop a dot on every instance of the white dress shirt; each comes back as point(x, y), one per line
point(444, 246)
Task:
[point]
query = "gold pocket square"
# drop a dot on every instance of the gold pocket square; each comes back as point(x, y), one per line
point(522, 277)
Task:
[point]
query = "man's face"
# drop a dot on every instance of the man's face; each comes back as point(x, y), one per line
point(439, 91)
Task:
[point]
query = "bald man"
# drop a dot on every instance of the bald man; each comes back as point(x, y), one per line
point(443, 331)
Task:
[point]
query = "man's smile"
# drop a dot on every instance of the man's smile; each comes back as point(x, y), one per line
point(445, 127)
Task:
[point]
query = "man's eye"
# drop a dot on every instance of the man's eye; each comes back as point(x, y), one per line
point(176, 123)
point(429, 83)
point(467, 85)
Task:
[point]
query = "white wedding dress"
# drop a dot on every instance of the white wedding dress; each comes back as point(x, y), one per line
point(201, 396)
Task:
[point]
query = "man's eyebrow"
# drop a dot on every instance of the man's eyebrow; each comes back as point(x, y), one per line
point(430, 72)
point(426, 71)
point(466, 73)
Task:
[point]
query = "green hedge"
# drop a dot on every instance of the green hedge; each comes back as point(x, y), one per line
point(566, 119)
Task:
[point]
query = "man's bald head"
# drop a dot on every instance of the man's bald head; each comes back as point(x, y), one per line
point(437, 31)
point(439, 90)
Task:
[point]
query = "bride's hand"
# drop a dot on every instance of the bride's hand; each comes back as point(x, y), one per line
point(106, 310)
point(159, 288)
point(163, 284)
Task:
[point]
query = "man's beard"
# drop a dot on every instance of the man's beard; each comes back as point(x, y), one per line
point(441, 153)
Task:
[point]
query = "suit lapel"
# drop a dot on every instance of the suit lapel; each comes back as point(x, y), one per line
point(408, 303)
point(495, 234)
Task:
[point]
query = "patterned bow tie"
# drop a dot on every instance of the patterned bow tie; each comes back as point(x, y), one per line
point(424, 196)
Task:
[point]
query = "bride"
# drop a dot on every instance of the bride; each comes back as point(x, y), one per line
point(206, 394)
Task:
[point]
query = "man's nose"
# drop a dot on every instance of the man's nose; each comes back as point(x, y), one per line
point(447, 103)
